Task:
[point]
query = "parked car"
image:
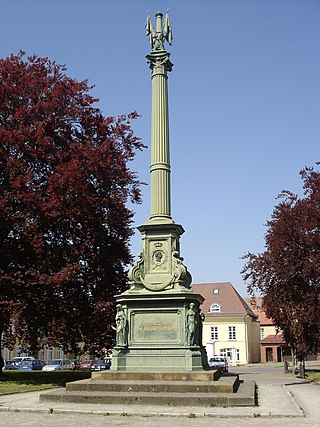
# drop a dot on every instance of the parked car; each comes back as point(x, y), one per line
point(75, 364)
point(31, 365)
point(57, 365)
point(20, 359)
point(11, 365)
point(102, 364)
point(219, 362)
point(14, 363)
point(86, 365)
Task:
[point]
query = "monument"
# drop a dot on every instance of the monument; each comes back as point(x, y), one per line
point(159, 358)
point(158, 319)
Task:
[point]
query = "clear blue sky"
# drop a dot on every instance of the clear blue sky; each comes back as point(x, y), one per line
point(244, 99)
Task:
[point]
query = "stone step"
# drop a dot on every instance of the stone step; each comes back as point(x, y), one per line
point(210, 375)
point(245, 396)
point(228, 384)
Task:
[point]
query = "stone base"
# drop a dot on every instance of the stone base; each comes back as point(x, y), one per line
point(158, 359)
point(157, 335)
point(157, 388)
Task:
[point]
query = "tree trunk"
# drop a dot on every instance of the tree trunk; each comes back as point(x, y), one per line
point(294, 360)
point(1, 358)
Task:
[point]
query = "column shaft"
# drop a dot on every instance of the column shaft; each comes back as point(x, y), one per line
point(160, 154)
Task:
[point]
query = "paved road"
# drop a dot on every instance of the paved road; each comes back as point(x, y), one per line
point(284, 400)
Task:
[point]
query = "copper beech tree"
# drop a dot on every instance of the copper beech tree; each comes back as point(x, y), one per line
point(65, 224)
point(287, 273)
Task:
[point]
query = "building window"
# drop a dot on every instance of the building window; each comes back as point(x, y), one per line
point(7, 354)
point(232, 333)
point(50, 353)
point(232, 354)
point(216, 291)
point(214, 333)
point(261, 333)
point(60, 353)
point(215, 308)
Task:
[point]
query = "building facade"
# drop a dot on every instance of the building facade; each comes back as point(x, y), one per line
point(45, 354)
point(230, 328)
point(273, 347)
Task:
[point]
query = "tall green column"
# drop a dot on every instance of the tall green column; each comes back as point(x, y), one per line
point(158, 317)
point(160, 65)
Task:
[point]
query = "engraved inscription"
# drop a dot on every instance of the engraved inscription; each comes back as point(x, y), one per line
point(159, 327)
point(156, 327)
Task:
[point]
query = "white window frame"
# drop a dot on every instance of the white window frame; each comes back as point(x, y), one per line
point(214, 333)
point(232, 333)
point(215, 308)
point(60, 353)
point(50, 353)
point(229, 352)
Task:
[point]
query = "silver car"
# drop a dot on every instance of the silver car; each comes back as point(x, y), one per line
point(57, 365)
point(219, 362)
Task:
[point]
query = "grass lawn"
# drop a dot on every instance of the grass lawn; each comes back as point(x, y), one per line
point(313, 375)
point(21, 381)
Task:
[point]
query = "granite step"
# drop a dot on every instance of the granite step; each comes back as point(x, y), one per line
point(202, 375)
point(224, 385)
point(245, 396)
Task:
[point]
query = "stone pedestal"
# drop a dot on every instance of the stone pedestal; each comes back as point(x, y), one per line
point(158, 333)
point(159, 324)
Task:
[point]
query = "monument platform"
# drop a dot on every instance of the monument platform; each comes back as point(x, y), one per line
point(205, 389)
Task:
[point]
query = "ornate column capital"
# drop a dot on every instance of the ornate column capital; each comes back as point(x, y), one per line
point(159, 63)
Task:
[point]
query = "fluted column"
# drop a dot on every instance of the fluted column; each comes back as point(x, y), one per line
point(160, 152)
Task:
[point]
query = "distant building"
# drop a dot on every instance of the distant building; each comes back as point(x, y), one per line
point(230, 328)
point(45, 354)
point(273, 347)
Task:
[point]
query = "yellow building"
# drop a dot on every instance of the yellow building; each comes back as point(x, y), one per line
point(230, 328)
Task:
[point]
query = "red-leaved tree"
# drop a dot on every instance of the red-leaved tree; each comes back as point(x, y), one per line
point(287, 273)
point(64, 221)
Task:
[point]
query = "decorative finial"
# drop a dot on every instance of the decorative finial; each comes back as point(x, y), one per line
point(162, 32)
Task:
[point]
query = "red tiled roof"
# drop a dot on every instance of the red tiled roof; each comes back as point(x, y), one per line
point(264, 320)
point(255, 304)
point(227, 297)
point(273, 339)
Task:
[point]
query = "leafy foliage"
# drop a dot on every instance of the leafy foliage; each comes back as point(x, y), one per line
point(287, 273)
point(64, 221)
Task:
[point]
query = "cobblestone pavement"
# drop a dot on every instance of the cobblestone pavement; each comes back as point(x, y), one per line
point(284, 400)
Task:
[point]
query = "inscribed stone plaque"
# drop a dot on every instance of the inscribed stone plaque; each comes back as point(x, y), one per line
point(155, 327)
